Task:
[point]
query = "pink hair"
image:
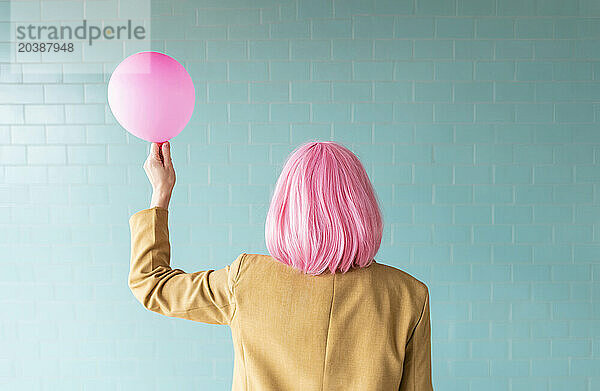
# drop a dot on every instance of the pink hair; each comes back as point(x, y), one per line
point(324, 212)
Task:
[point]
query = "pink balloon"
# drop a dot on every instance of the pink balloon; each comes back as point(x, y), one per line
point(152, 96)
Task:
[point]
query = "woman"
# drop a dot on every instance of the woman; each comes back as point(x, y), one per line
point(319, 313)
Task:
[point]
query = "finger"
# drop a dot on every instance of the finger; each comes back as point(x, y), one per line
point(156, 155)
point(166, 151)
point(160, 154)
point(154, 151)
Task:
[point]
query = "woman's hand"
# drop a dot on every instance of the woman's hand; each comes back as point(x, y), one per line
point(161, 174)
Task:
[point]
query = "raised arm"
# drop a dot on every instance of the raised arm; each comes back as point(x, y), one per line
point(204, 296)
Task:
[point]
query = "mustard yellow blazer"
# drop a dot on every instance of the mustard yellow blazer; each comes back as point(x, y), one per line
point(366, 330)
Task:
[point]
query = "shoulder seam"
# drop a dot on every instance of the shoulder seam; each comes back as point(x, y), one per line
point(237, 275)
point(420, 316)
point(234, 285)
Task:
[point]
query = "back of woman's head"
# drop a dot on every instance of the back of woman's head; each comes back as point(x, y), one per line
point(324, 212)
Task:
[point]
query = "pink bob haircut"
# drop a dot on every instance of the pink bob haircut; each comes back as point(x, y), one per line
point(324, 212)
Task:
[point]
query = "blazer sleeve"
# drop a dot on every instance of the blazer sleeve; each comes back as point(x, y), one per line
point(416, 374)
point(204, 296)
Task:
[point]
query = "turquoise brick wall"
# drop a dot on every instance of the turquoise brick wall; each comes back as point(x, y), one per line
point(477, 120)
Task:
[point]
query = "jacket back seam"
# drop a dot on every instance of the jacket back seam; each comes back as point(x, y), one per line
point(327, 335)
